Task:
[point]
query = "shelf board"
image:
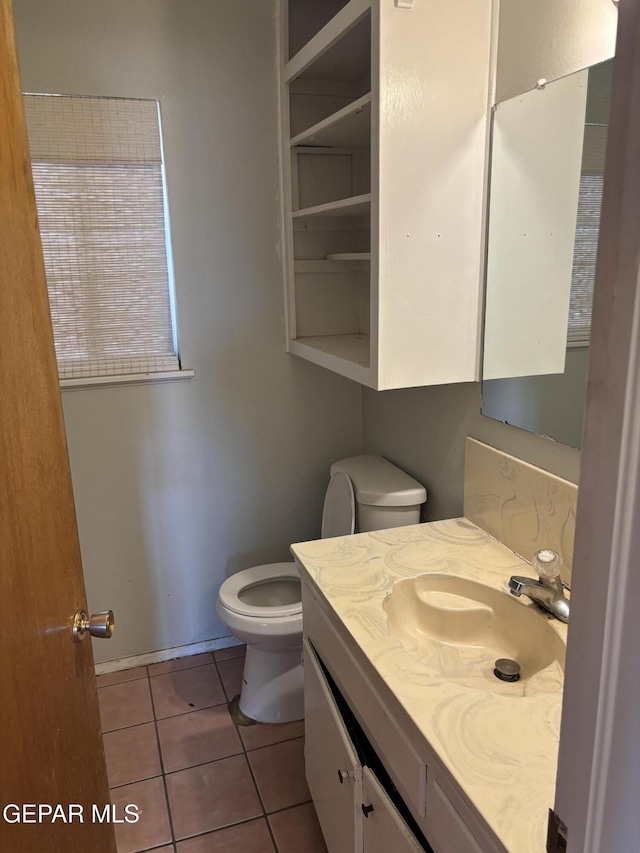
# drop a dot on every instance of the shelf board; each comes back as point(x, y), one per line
point(329, 266)
point(350, 127)
point(347, 355)
point(355, 206)
point(332, 33)
point(349, 256)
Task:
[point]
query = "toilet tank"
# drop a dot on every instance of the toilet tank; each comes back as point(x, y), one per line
point(385, 495)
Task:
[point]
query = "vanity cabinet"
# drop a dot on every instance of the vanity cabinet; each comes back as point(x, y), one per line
point(354, 810)
point(357, 755)
point(383, 126)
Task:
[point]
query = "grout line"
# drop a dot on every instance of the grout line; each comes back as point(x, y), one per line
point(124, 681)
point(290, 808)
point(224, 688)
point(203, 763)
point(267, 745)
point(255, 784)
point(182, 669)
point(124, 784)
point(164, 775)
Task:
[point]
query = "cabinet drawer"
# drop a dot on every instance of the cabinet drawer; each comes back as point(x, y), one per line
point(405, 766)
point(448, 833)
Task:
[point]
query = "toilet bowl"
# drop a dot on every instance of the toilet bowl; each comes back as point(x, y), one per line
point(262, 605)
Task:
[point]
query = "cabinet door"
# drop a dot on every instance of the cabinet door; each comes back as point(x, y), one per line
point(384, 830)
point(332, 768)
point(447, 830)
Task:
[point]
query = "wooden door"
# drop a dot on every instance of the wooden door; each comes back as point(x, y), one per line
point(50, 744)
point(598, 786)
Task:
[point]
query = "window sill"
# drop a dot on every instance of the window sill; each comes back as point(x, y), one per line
point(125, 379)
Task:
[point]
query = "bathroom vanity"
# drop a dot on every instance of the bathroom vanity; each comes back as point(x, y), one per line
point(411, 742)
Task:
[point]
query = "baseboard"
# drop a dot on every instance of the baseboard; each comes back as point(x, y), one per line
point(166, 654)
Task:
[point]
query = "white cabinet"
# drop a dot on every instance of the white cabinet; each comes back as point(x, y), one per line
point(428, 811)
point(354, 810)
point(334, 774)
point(383, 142)
point(383, 830)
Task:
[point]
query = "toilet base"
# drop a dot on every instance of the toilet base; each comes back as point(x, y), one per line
point(272, 685)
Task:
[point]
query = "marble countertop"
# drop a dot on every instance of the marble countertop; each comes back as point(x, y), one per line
point(500, 750)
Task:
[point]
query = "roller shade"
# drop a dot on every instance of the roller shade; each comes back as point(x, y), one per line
point(587, 231)
point(98, 175)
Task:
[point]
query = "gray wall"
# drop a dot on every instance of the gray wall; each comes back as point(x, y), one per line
point(178, 485)
point(423, 430)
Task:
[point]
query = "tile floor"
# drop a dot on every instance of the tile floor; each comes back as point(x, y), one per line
point(203, 784)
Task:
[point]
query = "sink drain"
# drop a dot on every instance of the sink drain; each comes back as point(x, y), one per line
point(507, 670)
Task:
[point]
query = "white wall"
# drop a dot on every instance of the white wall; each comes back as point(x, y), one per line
point(548, 39)
point(179, 485)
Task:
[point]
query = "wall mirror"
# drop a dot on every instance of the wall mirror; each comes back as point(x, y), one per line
point(547, 164)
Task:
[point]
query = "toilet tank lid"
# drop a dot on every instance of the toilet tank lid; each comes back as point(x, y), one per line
point(378, 482)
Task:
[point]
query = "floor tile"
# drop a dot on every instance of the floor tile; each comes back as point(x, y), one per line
point(231, 675)
point(132, 754)
point(186, 690)
point(230, 652)
point(123, 705)
point(279, 772)
point(197, 738)
point(254, 737)
point(212, 796)
point(180, 663)
point(123, 675)
point(153, 826)
point(297, 830)
point(251, 837)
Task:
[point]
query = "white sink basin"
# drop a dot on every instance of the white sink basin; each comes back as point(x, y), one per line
point(460, 627)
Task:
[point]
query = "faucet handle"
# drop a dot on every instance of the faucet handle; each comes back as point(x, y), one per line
point(547, 564)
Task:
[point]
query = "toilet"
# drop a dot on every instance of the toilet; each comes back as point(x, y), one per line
point(262, 605)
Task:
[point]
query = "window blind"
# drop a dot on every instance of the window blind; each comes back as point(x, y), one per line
point(587, 231)
point(98, 175)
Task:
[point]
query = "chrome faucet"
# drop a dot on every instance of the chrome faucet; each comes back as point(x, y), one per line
point(548, 591)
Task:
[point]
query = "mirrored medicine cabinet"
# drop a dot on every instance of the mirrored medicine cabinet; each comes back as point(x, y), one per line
point(546, 177)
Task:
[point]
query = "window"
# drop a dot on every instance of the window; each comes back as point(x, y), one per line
point(587, 231)
point(99, 182)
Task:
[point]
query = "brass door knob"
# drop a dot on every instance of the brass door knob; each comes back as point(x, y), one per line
point(98, 625)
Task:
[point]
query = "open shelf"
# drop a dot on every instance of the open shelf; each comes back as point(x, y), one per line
point(350, 127)
point(347, 355)
point(340, 50)
point(354, 206)
point(330, 266)
point(349, 256)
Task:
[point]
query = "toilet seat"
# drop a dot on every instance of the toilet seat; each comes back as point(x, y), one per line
point(236, 589)
point(339, 511)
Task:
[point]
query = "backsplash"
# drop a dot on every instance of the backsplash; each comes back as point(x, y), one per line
point(522, 506)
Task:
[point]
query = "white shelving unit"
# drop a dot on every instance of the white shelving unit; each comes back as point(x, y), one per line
point(383, 137)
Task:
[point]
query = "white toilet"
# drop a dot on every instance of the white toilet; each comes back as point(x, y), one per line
point(262, 605)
